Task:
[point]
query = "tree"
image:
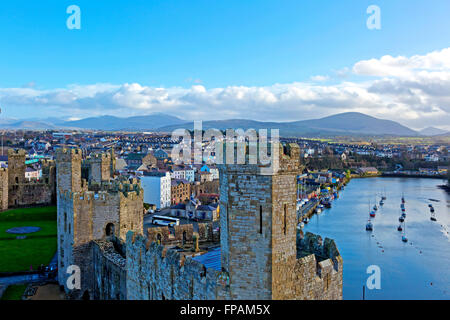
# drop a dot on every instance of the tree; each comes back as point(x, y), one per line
point(348, 175)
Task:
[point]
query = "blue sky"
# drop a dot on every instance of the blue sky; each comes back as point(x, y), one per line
point(212, 44)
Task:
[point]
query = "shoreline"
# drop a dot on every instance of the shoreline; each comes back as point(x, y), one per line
point(312, 211)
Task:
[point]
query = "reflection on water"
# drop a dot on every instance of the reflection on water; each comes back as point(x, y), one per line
point(419, 269)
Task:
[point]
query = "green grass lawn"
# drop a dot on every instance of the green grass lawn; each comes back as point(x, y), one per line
point(38, 248)
point(14, 292)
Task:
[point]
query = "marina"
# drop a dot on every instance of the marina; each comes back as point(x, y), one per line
point(411, 249)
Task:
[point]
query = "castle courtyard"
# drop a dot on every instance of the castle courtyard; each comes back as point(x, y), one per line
point(21, 251)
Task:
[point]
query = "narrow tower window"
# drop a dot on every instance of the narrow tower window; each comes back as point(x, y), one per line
point(284, 219)
point(260, 220)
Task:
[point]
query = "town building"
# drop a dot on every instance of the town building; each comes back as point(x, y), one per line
point(180, 190)
point(192, 209)
point(157, 188)
point(136, 160)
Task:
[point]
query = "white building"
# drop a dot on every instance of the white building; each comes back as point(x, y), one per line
point(190, 174)
point(178, 173)
point(214, 172)
point(157, 188)
point(32, 174)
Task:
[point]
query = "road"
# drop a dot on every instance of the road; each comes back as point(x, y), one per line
point(307, 207)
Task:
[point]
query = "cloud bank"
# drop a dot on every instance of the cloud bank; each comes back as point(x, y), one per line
point(412, 90)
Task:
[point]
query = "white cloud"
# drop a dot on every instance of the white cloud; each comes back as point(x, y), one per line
point(404, 67)
point(320, 78)
point(414, 91)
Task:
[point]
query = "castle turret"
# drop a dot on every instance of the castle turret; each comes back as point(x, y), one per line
point(258, 225)
point(16, 175)
point(3, 189)
point(68, 170)
point(100, 168)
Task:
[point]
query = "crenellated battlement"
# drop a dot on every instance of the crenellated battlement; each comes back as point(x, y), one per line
point(99, 157)
point(275, 158)
point(68, 155)
point(176, 258)
point(155, 271)
point(19, 191)
point(16, 153)
point(101, 196)
point(326, 255)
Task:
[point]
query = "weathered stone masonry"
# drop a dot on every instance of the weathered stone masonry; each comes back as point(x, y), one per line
point(17, 191)
point(85, 216)
point(262, 255)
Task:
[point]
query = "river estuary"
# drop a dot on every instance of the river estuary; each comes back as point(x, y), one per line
point(418, 269)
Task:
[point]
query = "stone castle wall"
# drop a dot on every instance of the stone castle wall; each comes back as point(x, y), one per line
point(259, 235)
point(3, 189)
point(182, 233)
point(16, 191)
point(109, 272)
point(89, 215)
point(155, 272)
point(262, 254)
point(100, 167)
point(319, 268)
point(84, 216)
point(245, 238)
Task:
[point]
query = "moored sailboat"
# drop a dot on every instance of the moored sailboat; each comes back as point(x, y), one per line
point(369, 226)
point(433, 215)
point(404, 238)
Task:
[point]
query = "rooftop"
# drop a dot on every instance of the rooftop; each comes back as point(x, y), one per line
point(210, 259)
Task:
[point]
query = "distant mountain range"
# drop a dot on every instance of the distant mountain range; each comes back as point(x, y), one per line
point(432, 131)
point(350, 123)
point(105, 123)
point(150, 122)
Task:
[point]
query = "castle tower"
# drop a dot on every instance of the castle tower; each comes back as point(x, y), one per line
point(113, 161)
point(16, 175)
point(100, 168)
point(68, 170)
point(258, 226)
point(3, 189)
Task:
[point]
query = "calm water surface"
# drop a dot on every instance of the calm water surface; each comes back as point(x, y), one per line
point(419, 269)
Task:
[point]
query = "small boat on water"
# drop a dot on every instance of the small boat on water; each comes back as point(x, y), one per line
point(381, 203)
point(383, 197)
point(372, 214)
point(327, 204)
point(369, 226)
point(433, 215)
point(403, 199)
point(430, 205)
point(404, 214)
point(404, 238)
point(401, 219)
point(305, 220)
point(400, 228)
point(375, 207)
